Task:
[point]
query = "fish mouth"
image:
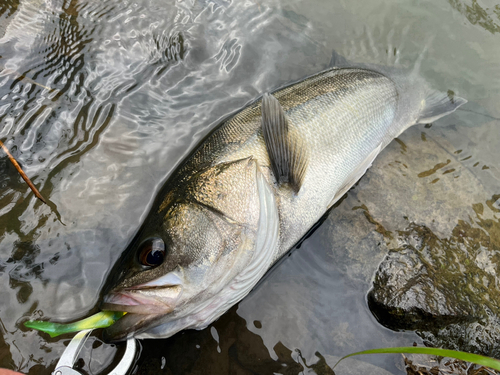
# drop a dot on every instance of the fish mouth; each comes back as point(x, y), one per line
point(128, 326)
point(157, 296)
point(143, 307)
point(145, 301)
point(144, 304)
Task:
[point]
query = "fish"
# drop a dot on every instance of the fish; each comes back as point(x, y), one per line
point(253, 188)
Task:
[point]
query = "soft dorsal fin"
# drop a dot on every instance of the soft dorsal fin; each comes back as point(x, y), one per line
point(287, 153)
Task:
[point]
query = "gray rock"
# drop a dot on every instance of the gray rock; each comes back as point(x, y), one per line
point(428, 213)
point(419, 364)
point(447, 289)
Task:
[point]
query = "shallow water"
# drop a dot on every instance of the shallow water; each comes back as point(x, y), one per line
point(101, 100)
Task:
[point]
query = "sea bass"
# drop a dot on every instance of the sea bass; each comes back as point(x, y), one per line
point(253, 188)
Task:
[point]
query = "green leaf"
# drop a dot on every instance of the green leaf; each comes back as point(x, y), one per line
point(468, 357)
point(102, 319)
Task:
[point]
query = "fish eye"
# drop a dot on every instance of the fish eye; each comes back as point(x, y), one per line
point(152, 252)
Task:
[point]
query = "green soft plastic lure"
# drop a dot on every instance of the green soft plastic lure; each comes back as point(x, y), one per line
point(102, 319)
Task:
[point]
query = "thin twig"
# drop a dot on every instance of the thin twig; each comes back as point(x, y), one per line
point(23, 175)
point(23, 77)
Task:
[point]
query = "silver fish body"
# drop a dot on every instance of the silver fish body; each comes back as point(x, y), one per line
point(253, 188)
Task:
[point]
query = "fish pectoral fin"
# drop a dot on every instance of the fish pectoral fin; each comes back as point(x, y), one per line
point(356, 174)
point(287, 153)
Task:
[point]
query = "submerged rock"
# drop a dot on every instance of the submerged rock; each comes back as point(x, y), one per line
point(428, 213)
point(418, 364)
point(447, 289)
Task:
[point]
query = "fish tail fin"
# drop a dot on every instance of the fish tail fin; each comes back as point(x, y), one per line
point(438, 104)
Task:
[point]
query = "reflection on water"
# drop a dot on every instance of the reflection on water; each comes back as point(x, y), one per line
point(100, 100)
point(227, 347)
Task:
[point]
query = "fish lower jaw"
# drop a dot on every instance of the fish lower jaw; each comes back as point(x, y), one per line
point(136, 304)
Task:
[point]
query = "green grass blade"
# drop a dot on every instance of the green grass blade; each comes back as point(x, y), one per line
point(102, 319)
point(468, 357)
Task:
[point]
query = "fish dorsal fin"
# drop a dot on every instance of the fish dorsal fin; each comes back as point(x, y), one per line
point(288, 154)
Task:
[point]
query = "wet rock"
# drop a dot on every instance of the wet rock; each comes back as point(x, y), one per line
point(418, 364)
point(445, 288)
point(422, 229)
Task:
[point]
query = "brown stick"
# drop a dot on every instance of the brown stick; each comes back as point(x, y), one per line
point(23, 175)
point(23, 77)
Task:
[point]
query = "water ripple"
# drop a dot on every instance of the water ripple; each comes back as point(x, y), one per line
point(101, 99)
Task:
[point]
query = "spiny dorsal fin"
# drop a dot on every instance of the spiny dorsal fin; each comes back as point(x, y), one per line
point(287, 153)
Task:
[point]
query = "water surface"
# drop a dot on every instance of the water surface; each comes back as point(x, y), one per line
point(101, 100)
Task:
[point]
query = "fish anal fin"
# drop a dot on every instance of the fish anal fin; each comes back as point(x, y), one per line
point(355, 175)
point(287, 152)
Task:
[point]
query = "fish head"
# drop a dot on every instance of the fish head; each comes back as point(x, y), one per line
point(184, 268)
